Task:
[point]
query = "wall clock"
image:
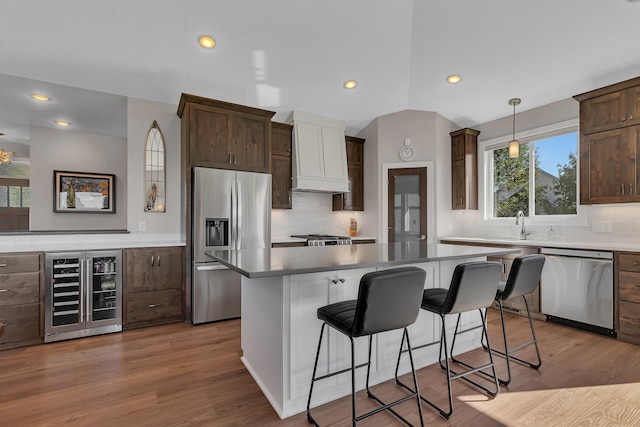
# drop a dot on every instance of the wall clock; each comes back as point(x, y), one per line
point(407, 153)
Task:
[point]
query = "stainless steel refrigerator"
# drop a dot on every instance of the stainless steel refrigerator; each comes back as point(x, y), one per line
point(231, 210)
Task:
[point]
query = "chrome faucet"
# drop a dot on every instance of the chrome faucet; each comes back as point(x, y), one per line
point(523, 232)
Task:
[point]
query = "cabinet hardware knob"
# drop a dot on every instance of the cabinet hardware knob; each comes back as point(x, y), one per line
point(154, 305)
point(4, 265)
point(622, 119)
point(630, 117)
point(335, 281)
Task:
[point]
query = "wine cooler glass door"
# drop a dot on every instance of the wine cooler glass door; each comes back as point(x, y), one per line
point(104, 288)
point(65, 294)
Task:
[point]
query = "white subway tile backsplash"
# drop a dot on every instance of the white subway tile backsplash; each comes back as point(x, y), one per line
point(311, 214)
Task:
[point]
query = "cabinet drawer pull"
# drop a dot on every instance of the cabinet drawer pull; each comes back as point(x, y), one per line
point(335, 281)
point(4, 264)
point(158, 260)
point(622, 185)
point(152, 261)
point(4, 290)
point(154, 305)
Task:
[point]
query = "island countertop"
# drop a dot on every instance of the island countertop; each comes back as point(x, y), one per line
point(272, 262)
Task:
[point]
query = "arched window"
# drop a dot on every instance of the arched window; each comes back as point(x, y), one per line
point(154, 170)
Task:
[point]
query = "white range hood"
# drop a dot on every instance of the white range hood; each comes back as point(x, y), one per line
point(319, 154)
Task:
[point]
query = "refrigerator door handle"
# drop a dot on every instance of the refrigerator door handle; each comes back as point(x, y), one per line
point(234, 215)
point(238, 213)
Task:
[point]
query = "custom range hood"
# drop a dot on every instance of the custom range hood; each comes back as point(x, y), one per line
point(319, 154)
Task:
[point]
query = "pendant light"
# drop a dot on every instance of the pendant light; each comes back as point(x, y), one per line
point(514, 144)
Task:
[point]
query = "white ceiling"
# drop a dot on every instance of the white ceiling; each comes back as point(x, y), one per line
point(283, 55)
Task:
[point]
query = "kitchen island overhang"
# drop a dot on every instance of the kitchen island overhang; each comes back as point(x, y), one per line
point(283, 287)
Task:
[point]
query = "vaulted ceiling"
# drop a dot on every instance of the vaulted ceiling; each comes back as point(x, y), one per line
point(283, 55)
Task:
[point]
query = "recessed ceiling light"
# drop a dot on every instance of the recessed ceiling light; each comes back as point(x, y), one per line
point(207, 42)
point(40, 97)
point(62, 123)
point(350, 84)
point(454, 78)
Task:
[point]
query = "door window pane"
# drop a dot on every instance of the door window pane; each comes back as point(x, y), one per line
point(4, 196)
point(26, 197)
point(15, 196)
point(406, 207)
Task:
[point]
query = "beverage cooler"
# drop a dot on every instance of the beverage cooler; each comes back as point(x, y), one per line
point(83, 294)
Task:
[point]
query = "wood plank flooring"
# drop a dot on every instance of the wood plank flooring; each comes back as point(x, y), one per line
point(183, 375)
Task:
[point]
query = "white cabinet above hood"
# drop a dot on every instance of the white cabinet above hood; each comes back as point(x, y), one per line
point(319, 154)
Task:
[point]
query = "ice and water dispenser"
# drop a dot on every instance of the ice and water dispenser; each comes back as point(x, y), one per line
point(217, 231)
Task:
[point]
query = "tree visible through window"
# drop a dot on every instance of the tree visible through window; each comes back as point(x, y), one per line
point(549, 189)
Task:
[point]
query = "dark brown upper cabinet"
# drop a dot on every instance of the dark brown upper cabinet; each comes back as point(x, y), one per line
point(464, 169)
point(354, 200)
point(609, 139)
point(222, 135)
point(281, 137)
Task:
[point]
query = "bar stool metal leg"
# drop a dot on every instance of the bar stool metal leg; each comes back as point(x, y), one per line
point(508, 352)
point(480, 369)
point(451, 375)
point(384, 406)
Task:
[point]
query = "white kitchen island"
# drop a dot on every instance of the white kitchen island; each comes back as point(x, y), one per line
point(282, 288)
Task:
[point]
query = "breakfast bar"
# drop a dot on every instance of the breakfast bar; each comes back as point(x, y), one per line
point(282, 288)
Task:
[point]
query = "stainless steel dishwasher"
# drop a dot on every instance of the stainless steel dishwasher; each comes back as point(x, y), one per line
point(576, 289)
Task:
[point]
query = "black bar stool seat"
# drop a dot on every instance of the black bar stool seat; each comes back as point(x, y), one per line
point(387, 300)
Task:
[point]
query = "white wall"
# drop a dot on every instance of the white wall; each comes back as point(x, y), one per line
point(429, 136)
point(140, 115)
point(75, 152)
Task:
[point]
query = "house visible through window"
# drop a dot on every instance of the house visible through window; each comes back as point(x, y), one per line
point(541, 181)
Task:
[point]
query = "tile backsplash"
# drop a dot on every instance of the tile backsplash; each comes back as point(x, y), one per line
point(311, 214)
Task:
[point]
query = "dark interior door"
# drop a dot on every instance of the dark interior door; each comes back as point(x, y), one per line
point(407, 204)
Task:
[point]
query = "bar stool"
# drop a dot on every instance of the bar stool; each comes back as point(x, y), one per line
point(387, 300)
point(523, 279)
point(473, 287)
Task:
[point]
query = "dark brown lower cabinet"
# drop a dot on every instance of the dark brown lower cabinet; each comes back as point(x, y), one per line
point(152, 307)
point(21, 299)
point(154, 286)
point(628, 326)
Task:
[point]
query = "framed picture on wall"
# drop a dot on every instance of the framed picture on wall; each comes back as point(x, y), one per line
point(84, 192)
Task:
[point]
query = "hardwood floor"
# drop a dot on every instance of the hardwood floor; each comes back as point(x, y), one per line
point(177, 375)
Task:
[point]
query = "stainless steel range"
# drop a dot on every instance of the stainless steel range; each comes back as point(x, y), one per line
point(324, 239)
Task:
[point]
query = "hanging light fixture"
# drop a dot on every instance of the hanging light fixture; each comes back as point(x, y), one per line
point(514, 144)
point(5, 156)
